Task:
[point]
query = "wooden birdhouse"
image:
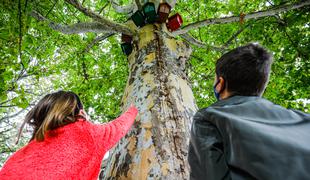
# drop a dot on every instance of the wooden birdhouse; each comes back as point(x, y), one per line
point(163, 12)
point(126, 38)
point(126, 48)
point(174, 22)
point(150, 12)
point(138, 18)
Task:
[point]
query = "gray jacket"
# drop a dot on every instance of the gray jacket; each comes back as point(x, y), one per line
point(248, 137)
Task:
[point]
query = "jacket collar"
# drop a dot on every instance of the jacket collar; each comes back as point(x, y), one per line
point(236, 100)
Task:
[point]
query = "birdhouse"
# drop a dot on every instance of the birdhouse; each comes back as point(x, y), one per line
point(149, 12)
point(174, 22)
point(126, 38)
point(126, 48)
point(163, 12)
point(138, 18)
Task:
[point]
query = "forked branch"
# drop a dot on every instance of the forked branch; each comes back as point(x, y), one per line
point(116, 27)
point(200, 44)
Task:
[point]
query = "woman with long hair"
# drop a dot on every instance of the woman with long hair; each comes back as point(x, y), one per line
point(64, 144)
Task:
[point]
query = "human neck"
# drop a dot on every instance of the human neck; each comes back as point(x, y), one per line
point(225, 94)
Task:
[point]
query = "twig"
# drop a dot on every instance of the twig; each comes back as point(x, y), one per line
point(20, 38)
point(234, 36)
point(50, 10)
point(97, 40)
point(105, 5)
point(84, 70)
point(4, 102)
point(13, 115)
point(200, 44)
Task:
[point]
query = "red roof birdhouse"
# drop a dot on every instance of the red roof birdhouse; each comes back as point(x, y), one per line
point(163, 12)
point(174, 22)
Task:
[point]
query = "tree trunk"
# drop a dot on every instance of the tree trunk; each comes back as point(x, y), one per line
point(157, 145)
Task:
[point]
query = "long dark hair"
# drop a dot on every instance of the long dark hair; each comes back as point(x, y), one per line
point(52, 111)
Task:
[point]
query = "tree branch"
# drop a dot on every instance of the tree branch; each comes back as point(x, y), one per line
point(234, 36)
point(50, 10)
point(105, 5)
point(115, 27)
point(84, 68)
point(4, 102)
point(13, 115)
point(200, 44)
point(138, 3)
point(7, 106)
point(171, 3)
point(97, 40)
point(129, 9)
point(20, 38)
point(255, 15)
point(75, 28)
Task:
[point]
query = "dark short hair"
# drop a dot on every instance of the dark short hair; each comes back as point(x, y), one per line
point(245, 69)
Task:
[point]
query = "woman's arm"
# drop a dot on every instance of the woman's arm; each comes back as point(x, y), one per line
point(110, 133)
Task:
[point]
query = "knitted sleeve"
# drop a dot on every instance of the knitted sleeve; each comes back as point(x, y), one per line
point(107, 135)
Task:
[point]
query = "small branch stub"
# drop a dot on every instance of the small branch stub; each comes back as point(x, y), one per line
point(242, 15)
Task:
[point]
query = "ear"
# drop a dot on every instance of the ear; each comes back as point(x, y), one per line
point(221, 85)
point(83, 114)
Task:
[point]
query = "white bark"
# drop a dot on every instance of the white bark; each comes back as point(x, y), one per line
point(156, 148)
point(255, 15)
point(74, 28)
point(171, 3)
point(129, 9)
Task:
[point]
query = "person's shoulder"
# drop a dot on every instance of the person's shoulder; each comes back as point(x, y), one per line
point(78, 125)
point(211, 108)
point(203, 111)
point(204, 114)
point(281, 108)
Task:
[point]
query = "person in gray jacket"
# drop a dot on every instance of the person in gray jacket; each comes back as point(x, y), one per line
point(244, 136)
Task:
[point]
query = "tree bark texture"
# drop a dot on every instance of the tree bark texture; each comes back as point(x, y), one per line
point(157, 145)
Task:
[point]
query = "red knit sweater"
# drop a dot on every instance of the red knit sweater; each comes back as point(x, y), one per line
point(74, 151)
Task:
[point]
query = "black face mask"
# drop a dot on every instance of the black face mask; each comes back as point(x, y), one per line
point(216, 94)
